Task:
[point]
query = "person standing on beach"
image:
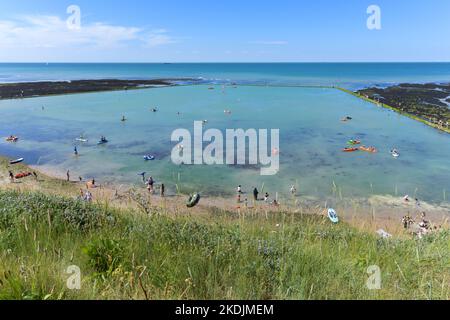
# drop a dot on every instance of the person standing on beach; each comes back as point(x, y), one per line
point(150, 183)
point(255, 194)
point(68, 175)
point(163, 190)
point(293, 190)
point(11, 176)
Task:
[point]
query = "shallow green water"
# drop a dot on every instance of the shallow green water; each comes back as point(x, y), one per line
point(311, 139)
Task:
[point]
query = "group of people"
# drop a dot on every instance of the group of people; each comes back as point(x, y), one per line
point(86, 195)
point(255, 193)
point(423, 227)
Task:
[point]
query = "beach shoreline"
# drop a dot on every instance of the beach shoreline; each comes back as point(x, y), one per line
point(369, 214)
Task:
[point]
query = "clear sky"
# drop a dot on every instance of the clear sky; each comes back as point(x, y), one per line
point(224, 31)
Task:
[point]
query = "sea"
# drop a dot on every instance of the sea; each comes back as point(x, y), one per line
point(295, 98)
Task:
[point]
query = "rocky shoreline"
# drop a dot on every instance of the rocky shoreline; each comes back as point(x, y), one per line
point(46, 88)
point(428, 102)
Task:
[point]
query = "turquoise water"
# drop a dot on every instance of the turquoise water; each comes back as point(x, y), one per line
point(351, 75)
point(311, 139)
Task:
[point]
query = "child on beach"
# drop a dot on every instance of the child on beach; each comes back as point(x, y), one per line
point(11, 176)
point(88, 196)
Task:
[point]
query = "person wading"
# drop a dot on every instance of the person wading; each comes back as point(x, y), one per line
point(255, 194)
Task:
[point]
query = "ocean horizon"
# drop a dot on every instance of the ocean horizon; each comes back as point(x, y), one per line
point(352, 75)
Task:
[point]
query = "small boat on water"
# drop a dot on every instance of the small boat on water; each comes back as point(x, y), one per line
point(12, 139)
point(350, 149)
point(103, 140)
point(345, 119)
point(16, 161)
point(368, 149)
point(149, 158)
point(395, 153)
point(354, 142)
point(81, 139)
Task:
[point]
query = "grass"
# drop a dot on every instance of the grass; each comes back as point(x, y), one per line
point(126, 254)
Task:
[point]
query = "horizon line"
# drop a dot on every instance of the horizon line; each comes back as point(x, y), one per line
point(212, 62)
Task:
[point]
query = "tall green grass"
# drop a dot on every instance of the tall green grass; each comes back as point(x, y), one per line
point(132, 255)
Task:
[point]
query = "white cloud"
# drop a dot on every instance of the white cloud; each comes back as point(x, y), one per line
point(275, 43)
point(159, 37)
point(40, 31)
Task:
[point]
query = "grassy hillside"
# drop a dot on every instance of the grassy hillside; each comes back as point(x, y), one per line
point(132, 255)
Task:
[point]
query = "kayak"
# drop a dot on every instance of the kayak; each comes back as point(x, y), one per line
point(16, 161)
point(22, 175)
point(149, 158)
point(354, 142)
point(350, 149)
point(368, 149)
point(193, 200)
point(332, 215)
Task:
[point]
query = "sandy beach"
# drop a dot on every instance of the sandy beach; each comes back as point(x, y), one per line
point(371, 214)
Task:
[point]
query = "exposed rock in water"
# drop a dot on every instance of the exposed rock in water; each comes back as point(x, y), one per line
point(426, 101)
point(36, 89)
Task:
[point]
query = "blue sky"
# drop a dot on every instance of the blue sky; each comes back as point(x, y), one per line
point(224, 31)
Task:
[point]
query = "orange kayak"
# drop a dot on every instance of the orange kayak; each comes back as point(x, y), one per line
point(350, 149)
point(368, 149)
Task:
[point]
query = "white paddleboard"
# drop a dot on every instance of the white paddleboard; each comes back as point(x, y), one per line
point(332, 215)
